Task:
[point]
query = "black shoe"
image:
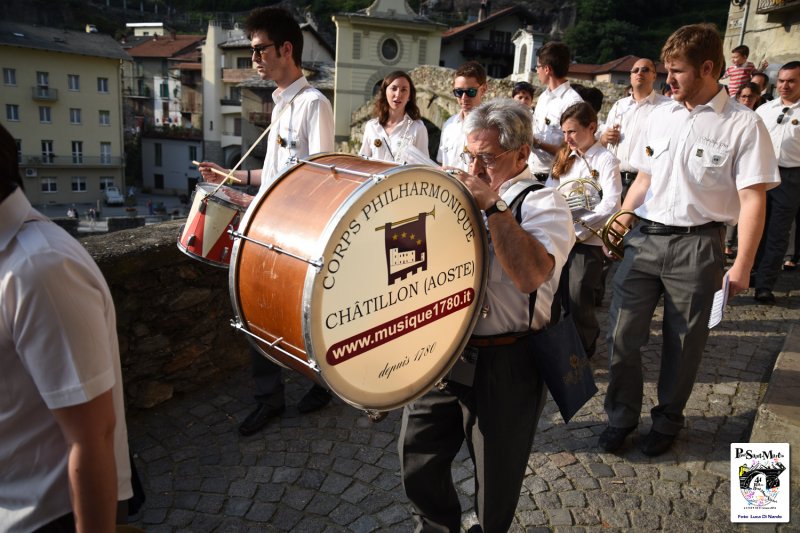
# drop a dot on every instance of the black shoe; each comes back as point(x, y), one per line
point(656, 443)
point(315, 399)
point(259, 418)
point(764, 296)
point(612, 439)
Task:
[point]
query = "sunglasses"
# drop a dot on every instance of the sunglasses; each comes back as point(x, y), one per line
point(643, 70)
point(472, 92)
point(258, 50)
point(783, 114)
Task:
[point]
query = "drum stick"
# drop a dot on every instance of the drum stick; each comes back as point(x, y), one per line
point(215, 171)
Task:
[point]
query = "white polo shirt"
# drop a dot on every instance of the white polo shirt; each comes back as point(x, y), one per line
point(547, 123)
point(786, 135)
point(305, 128)
point(545, 216)
point(58, 348)
point(377, 144)
point(632, 117)
point(452, 143)
point(700, 159)
point(602, 162)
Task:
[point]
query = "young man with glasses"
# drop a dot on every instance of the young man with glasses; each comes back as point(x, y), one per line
point(303, 125)
point(469, 86)
point(629, 116)
point(494, 401)
point(705, 162)
point(552, 66)
point(782, 118)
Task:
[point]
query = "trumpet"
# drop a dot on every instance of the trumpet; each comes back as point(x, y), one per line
point(614, 232)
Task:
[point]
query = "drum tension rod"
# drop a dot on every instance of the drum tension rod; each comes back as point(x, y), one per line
point(236, 324)
point(277, 249)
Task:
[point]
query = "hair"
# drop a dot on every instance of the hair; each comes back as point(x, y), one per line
point(754, 88)
point(584, 114)
point(695, 44)
point(592, 95)
point(766, 77)
point(789, 66)
point(471, 69)
point(511, 120)
point(556, 56)
point(382, 106)
point(523, 87)
point(280, 26)
point(742, 50)
point(10, 177)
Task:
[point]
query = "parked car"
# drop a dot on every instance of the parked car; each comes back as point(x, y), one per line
point(113, 196)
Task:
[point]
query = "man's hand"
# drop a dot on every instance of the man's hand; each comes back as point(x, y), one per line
point(610, 136)
point(207, 170)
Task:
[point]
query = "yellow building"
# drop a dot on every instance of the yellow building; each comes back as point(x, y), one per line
point(62, 102)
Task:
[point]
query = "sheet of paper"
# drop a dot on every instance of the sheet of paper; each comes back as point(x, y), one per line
point(718, 306)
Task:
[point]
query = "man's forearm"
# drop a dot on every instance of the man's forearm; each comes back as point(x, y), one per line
point(93, 486)
point(522, 257)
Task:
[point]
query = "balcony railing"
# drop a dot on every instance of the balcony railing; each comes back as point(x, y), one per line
point(771, 6)
point(230, 101)
point(44, 93)
point(486, 47)
point(51, 160)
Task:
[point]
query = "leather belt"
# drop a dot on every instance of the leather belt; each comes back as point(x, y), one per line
point(628, 177)
point(496, 340)
point(648, 227)
point(541, 176)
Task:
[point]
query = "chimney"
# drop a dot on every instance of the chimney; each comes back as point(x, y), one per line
point(484, 10)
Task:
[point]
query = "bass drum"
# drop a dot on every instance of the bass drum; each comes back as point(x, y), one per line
point(365, 276)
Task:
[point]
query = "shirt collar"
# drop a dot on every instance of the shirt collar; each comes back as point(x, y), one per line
point(525, 174)
point(716, 104)
point(280, 96)
point(14, 210)
point(561, 90)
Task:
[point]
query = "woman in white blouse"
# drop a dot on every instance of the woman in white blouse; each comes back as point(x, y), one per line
point(396, 134)
point(585, 169)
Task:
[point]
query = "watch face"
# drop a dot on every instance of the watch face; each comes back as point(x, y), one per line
point(501, 205)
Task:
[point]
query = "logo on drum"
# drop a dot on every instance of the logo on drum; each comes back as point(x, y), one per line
point(406, 246)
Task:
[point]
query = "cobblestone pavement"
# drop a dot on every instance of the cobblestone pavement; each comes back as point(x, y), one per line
point(334, 470)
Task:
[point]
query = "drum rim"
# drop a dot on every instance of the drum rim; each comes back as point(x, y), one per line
point(217, 199)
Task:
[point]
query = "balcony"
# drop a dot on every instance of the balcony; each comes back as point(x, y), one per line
point(773, 6)
point(487, 48)
point(237, 75)
point(231, 101)
point(45, 94)
point(260, 119)
point(71, 161)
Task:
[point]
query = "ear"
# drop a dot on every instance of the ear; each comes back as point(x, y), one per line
point(523, 153)
point(707, 68)
point(286, 49)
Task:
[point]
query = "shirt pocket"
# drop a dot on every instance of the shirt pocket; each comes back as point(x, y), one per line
point(658, 151)
point(707, 164)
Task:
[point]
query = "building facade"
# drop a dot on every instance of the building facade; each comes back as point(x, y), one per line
point(62, 98)
point(167, 166)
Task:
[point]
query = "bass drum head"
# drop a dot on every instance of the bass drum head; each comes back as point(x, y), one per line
point(400, 290)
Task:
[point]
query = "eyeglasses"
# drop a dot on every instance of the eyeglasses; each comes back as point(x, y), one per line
point(746, 96)
point(258, 50)
point(643, 70)
point(783, 114)
point(472, 92)
point(539, 66)
point(487, 160)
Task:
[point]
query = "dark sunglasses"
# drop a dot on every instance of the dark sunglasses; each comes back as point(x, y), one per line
point(472, 92)
point(783, 114)
point(260, 48)
point(643, 70)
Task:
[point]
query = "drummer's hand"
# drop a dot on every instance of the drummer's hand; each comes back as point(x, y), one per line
point(209, 175)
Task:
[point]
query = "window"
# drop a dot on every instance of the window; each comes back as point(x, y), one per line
point(236, 94)
point(44, 114)
point(9, 76)
point(102, 85)
point(74, 82)
point(164, 90)
point(390, 49)
point(43, 84)
point(105, 153)
point(49, 185)
point(78, 184)
point(192, 153)
point(106, 181)
point(237, 126)
point(12, 112)
point(157, 147)
point(19, 150)
point(423, 51)
point(77, 152)
point(74, 115)
point(105, 118)
point(47, 152)
point(244, 62)
point(357, 45)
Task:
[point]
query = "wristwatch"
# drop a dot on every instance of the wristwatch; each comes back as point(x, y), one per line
point(498, 207)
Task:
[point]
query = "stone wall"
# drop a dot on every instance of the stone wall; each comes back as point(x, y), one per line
point(173, 314)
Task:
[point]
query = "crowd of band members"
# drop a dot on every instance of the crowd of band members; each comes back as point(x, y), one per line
point(686, 165)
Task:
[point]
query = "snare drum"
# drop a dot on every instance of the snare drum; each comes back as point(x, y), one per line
point(214, 211)
point(365, 276)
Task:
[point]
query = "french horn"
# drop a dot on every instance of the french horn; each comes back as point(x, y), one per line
point(582, 194)
point(614, 232)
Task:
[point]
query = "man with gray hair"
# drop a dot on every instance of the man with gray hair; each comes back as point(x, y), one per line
point(494, 395)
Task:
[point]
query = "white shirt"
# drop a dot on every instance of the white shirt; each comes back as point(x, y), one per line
point(632, 117)
point(305, 128)
point(452, 143)
point(602, 162)
point(545, 216)
point(377, 144)
point(58, 348)
point(786, 135)
point(699, 160)
point(547, 123)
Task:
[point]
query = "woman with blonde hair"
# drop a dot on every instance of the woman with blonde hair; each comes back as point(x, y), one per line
point(588, 175)
point(397, 133)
